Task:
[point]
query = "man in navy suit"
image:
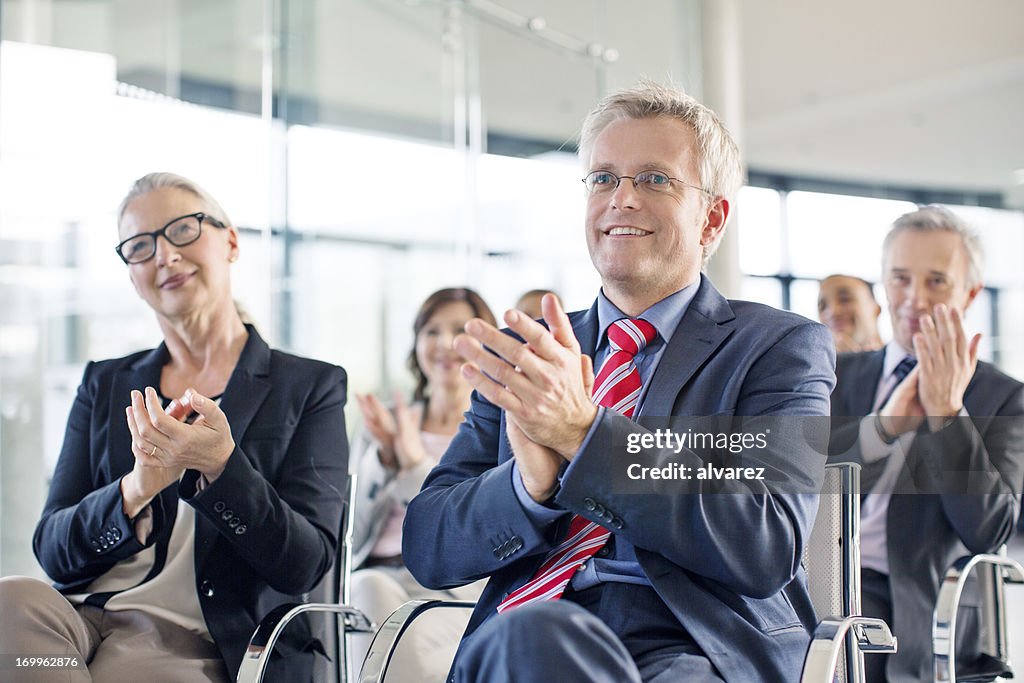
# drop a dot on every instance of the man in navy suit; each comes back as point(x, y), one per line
point(939, 435)
point(690, 585)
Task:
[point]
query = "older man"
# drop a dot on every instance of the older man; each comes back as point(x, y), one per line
point(942, 442)
point(670, 581)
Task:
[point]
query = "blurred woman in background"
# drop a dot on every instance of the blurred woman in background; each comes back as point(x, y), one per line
point(398, 449)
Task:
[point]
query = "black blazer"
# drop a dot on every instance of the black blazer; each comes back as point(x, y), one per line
point(266, 529)
point(959, 489)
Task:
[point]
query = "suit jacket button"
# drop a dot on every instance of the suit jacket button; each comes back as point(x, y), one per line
point(206, 588)
point(497, 554)
point(117, 534)
point(227, 514)
point(589, 504)
point(219, 506)
point(605, 551)
point(234, 522)
point(240, 529)
point(517, 543)
point(617, 523)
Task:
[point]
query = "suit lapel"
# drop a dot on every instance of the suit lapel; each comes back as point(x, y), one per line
point(145, 372)
point(698, 335)
point(244, 395)
point(248, 387)
point(866, 375)
point(584, 326)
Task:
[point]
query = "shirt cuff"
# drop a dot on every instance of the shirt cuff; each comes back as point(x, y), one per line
point(539, 514)
point(872, 446)
point(587, 439)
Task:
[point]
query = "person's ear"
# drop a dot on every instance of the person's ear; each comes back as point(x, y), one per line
point(717, 217)
point(971, 294)
point(232, 244)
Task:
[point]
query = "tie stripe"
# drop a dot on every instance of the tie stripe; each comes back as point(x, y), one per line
point(899, 374)
point(616, 387)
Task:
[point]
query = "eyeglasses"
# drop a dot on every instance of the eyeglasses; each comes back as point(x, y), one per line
point(600, 182)
point(180, 232)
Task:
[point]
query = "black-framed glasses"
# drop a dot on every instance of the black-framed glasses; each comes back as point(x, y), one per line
point(181, 231)
point(599, 182)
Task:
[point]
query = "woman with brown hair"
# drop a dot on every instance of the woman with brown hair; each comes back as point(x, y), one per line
point(397, 451)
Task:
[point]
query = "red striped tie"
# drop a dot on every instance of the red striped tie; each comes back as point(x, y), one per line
point(617, 386)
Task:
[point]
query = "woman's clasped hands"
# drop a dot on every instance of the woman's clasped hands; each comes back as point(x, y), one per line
point(165, 444)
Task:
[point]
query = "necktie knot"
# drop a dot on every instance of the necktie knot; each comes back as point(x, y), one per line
point(631, 335)
point(899, 374)
point(903, 368)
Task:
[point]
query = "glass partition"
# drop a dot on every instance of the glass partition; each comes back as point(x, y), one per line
point(349, 141)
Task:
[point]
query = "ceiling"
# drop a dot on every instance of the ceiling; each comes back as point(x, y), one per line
point(919, 92)
point(913, 93)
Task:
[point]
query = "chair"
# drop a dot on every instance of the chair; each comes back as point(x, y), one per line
point(832, 561)
point(994, 572)
point(336, 586)
point(385, 641)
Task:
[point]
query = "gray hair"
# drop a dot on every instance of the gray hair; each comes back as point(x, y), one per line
point(935, 218)
point(718, 163)
point(156, 181)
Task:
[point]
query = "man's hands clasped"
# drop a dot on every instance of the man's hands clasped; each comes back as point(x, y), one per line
point(543, 384)
point(934, 389)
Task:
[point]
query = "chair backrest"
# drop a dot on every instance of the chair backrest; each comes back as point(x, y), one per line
point(832, 556)
point(334, 589)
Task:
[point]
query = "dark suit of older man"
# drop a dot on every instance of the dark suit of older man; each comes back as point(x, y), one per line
point(957, 494)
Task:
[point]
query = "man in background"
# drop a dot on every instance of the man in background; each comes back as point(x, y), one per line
point(939, 435)
point(847, 307)
point(529, 302)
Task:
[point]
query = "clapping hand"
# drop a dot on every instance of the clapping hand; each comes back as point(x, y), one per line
point(544, 385)
point(947, 362)
point(164, 445)
point(399, 446)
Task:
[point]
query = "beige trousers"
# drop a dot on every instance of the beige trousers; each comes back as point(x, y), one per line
point(111, 646)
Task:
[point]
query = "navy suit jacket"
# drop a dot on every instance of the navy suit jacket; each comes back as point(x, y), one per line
point(728, 566)
point(266, 528)
point(958, 493)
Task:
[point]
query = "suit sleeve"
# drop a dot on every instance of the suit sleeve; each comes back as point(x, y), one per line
point(289, 526)
point(976, 465)
point(466, 523)
point(751, 537)
point(83, 530)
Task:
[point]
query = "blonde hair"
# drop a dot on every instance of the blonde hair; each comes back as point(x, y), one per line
point(155, 181)
point(719, 168)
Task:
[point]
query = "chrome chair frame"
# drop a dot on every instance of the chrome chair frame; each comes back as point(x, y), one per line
point(844, 631)
point(994, 572)
point(385, 641)
point(261, 645)
point(847, 634)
